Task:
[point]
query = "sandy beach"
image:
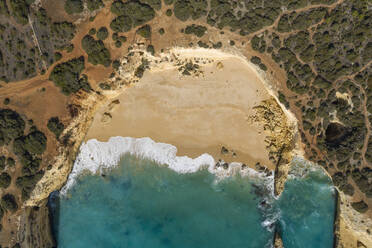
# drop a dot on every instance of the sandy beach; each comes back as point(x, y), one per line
point(198, 113)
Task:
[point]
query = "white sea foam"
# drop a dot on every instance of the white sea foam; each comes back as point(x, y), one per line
point(94, 156)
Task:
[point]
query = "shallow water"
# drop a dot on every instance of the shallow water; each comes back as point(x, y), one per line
point(142, 204)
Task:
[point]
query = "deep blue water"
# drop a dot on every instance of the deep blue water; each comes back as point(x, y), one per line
point(141, 204)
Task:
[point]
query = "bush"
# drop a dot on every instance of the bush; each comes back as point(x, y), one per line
point(121, 24)
point(256, 60)
point(168, 12)
point(10, 161)
point(63, 30)
point(184, 9)
point(2, 162)
point(20, 10)
point(57, 56)
point(27, 183)
point(92, 31)
point(67, 76)
point(197, 30)
point(35, 142)
point(150, 49)
point(130, 14)
point(94, 4)
point(55, 126)
point(74, 6)
point(156, 4)
point(118, 44)
point(9, 202)
point(96, 50)
point(5, 180)
point(102, 33)
point(6, 101)
point(11, 125)
point(144, 31)
point(161, 31)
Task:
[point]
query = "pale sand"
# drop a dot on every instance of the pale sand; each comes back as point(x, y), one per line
point(196, 114)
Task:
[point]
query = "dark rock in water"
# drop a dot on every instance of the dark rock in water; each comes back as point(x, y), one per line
point(225, 166)
point(103, 175)
point(244, 166)
point(224, 150)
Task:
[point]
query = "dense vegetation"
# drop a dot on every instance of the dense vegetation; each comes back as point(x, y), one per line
point(197, 30)
point(68, 76)
point(131, 14)
point(96, 50)
point(28, 144)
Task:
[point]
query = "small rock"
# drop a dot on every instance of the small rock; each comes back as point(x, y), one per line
point(224, 150)
point(225, 166)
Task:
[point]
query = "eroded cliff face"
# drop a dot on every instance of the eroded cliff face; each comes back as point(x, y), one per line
point(35, 229)
point(281, 139)
point(352, 229)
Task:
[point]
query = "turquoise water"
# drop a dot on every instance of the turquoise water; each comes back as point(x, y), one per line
point(141, 204)
point(307, 208)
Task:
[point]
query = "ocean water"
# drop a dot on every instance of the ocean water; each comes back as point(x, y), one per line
point(307, 208)
point(142, 203)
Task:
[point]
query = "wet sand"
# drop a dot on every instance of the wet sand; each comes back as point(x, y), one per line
point(197, 114)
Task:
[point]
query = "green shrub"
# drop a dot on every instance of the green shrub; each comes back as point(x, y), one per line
point(57, 56)
point(130, 14)
point(4, 10)
point(118, 44)
point(197, 30)
point(5, 180)
point(2, 162)
point(10, 161)
point(27, 183)
point(155, 4)
point(6, 101)
point(11, 125)
point(121, 24)
point(168, 2)
point(74, 6)
point(92, 31)
point(116, 64)
point(185, 9)
point(256, 60)
point(35, 142)
point(94, 4)
point(96, 50)
point(122, 38)
point(9, 202)
point(63, 30)
point(20, 10)
point(55, 126)
point(144, 31)
point(102, 33)
point(150, 49)
point(161, 31)
point(67, 76)
point(168, 12)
